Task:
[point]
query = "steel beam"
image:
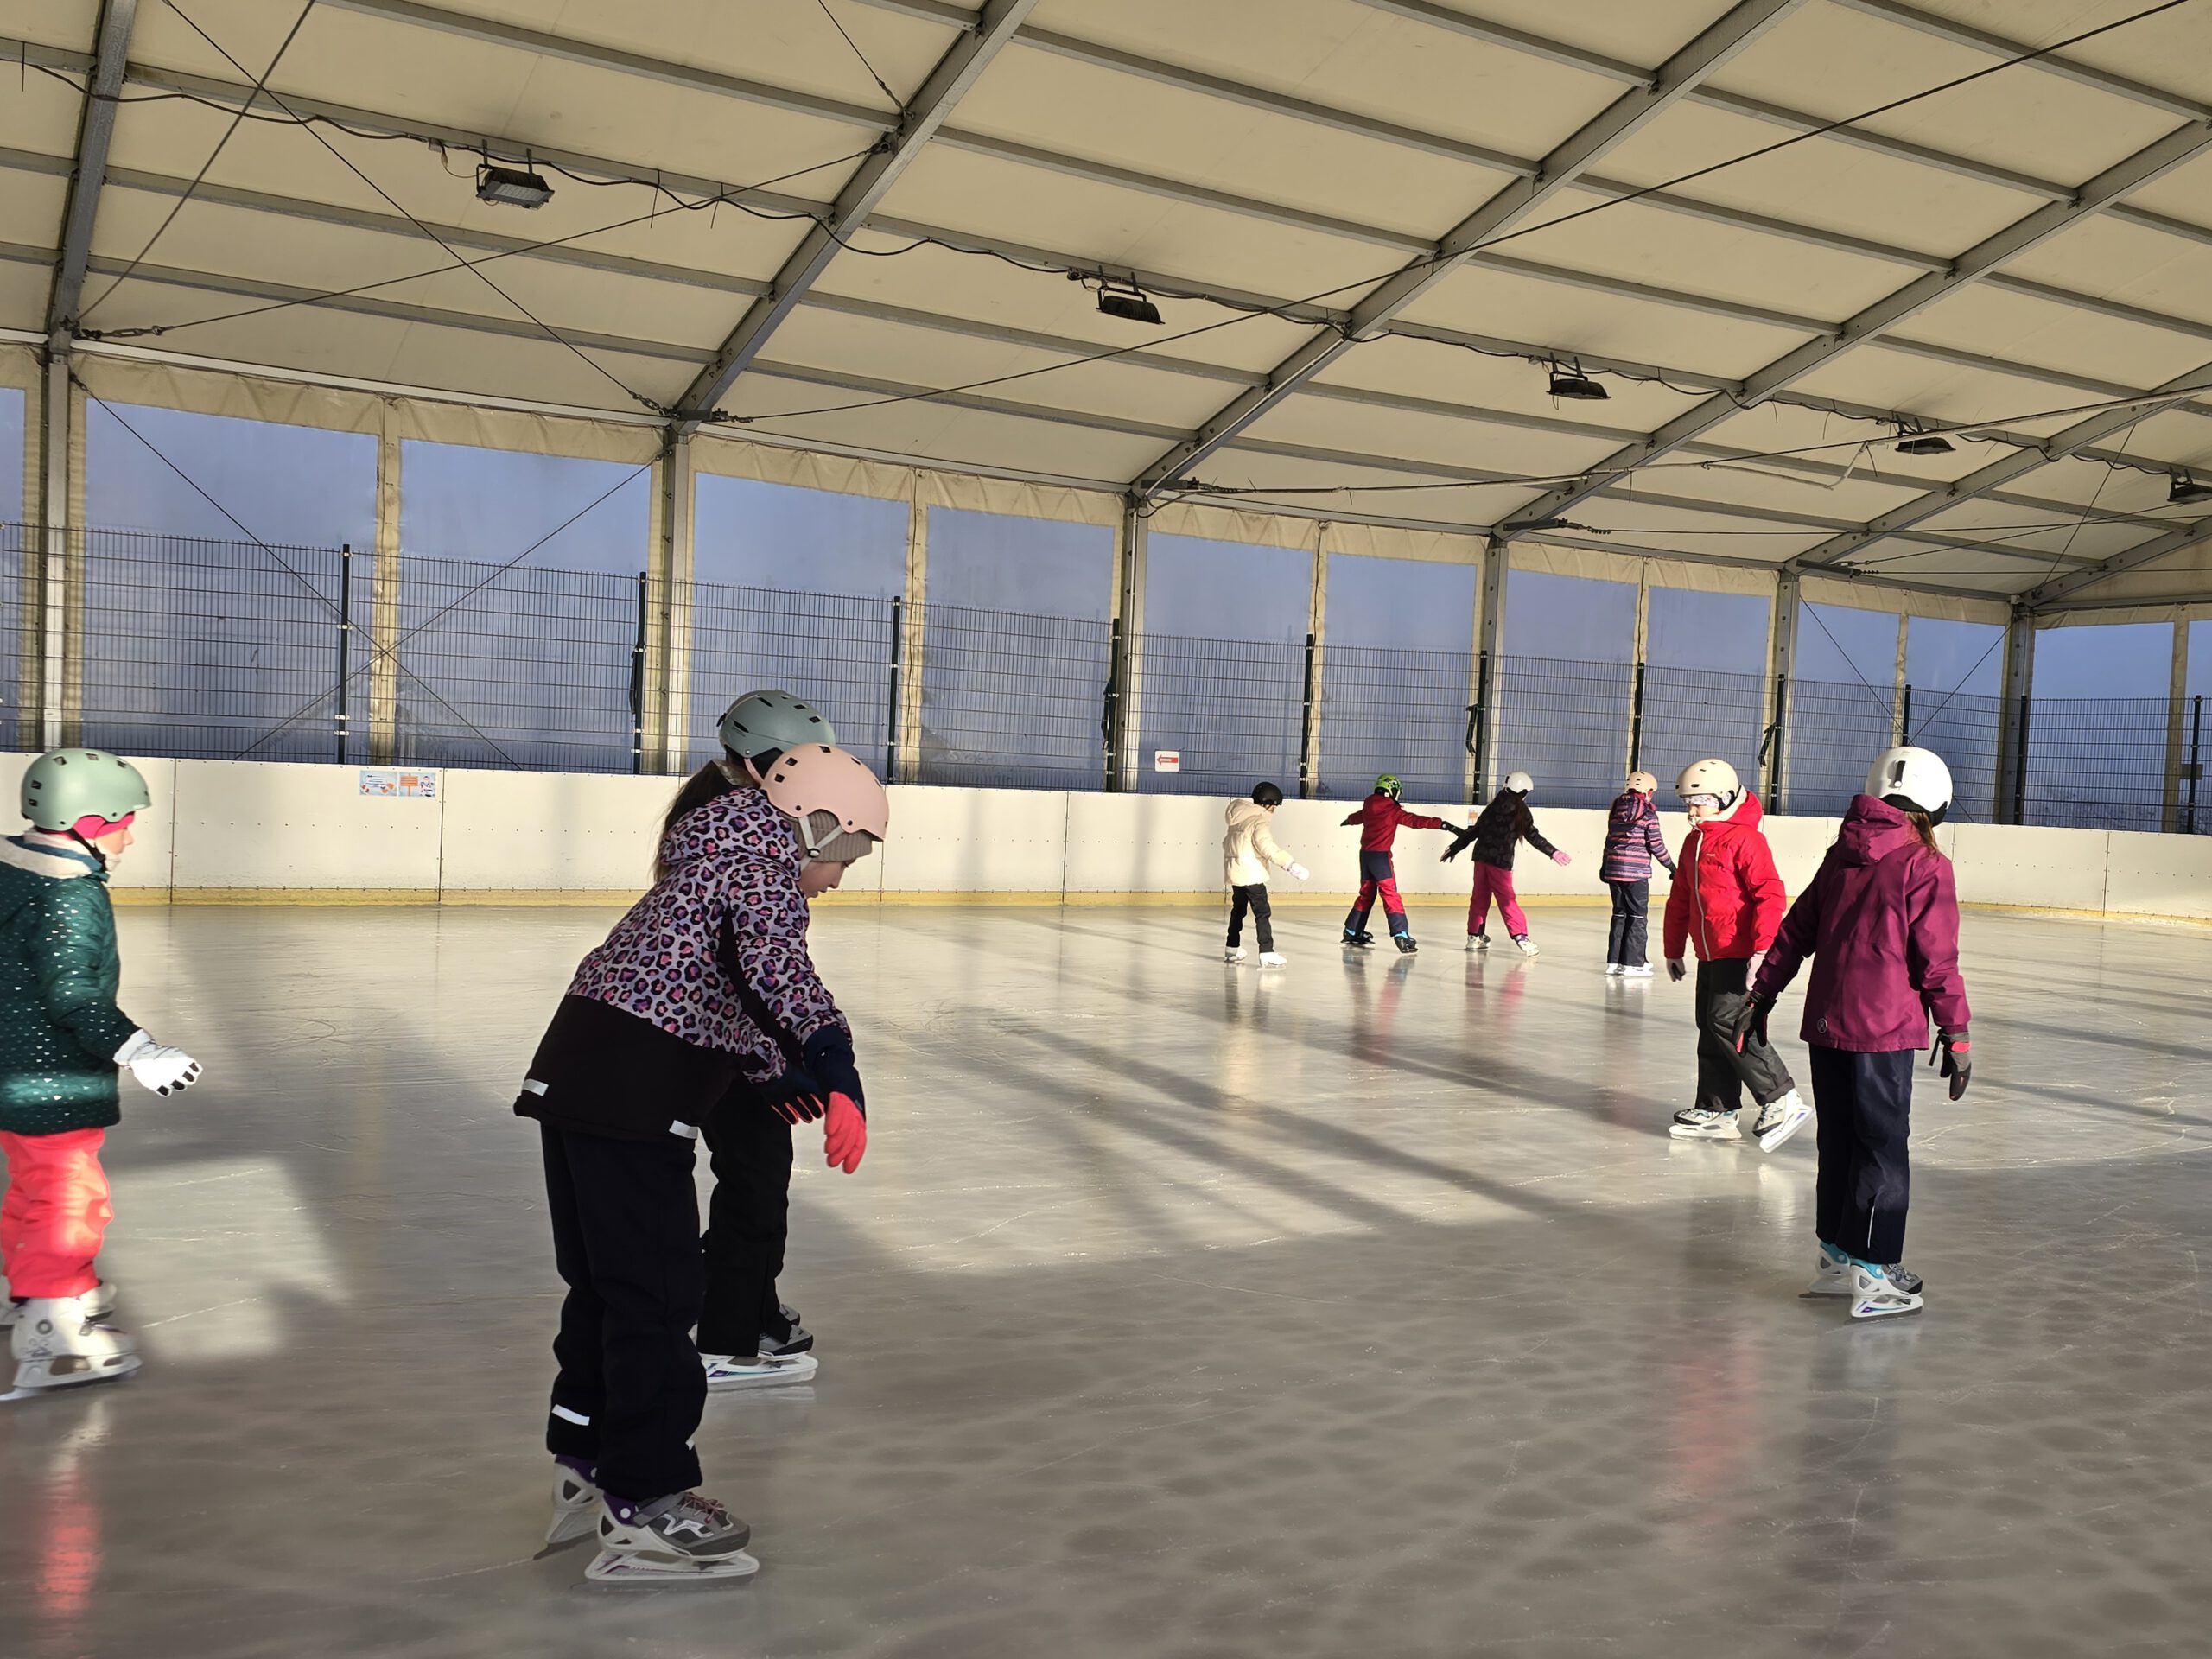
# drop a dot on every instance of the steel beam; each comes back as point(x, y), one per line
point(95, 131)
point(2046, 598)
point(1535, 46)
point(2153, 162)
point(1834, 552)
point(956, 72)
point(1627, 115)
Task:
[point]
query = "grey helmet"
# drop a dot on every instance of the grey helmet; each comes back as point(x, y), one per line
point(769, 722)
point(64, 785)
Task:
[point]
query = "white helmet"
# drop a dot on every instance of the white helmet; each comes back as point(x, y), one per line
point(1915, 780)
point(1714, 778)
point(1519, 782)
point(1642, 783)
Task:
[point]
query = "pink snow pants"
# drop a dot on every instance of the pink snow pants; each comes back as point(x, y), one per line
point(1491, 882)
point(55, 1213)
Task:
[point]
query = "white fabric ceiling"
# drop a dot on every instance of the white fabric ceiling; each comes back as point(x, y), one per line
point(2032, 251)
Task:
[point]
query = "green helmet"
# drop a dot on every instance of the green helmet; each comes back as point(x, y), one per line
point(768, 722)
point(65, 785)
point(1387, 783)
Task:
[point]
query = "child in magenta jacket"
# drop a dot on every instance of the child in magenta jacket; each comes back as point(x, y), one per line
point(1881, 922)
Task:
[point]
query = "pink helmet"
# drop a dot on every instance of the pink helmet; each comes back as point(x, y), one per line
point(840, 807)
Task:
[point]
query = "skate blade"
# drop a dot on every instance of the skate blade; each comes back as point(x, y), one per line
point(1682, 1134)
point(72, 1371)
point(572, 1529)
point(788, 1377)
point(1776, 1137)
point(1878, 1310)
point(1822, 1290)
point(615, 1567)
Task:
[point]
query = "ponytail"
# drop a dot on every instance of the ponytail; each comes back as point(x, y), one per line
point(711, 782)
point(1924, 827)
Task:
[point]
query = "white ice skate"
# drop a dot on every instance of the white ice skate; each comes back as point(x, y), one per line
point(99, 1303)
point(1703, 1123)
point(1780, 1119)
point(1478, 943)
point(1612, 970)
point(1882, 1293)
point(727, 1374)
point(1833, 1276)
point(1273, 959)
point(1524, 944)
point(575, 1507)
point(1232, 953)
point(58, 1346)
point(692, 1539)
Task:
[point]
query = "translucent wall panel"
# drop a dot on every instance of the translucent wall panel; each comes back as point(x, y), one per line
point(795, 589)
point(1564, 685)
point(522, 608)
point(1953, 673)
point(14, 541)
point(1840, 699)
point(2196, 735)
point(1704, 681)
point(211, 616)
point(1224, 664)
point(1016, 644)
point(1397, 671)
point(13, 405)
point(2097, 725)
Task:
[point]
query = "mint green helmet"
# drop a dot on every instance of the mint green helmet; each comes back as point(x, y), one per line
point(63, 785)
point(769, 722)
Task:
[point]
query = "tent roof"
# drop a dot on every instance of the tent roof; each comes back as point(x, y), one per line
point(1387, 217)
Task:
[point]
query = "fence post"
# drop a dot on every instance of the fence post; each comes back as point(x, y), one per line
point(2195, 771)
point(2177, 696)
point(2020, 761)
point(1478, 729)
point(891, 712)
point(53, 455)
point(1635, 723)
point(1306, 781)
point(385, 578)
point(345, 640)
point(1904, 715)
point(914, 636)
point(1781, 663)
point(638, 677)
point(1125, 673)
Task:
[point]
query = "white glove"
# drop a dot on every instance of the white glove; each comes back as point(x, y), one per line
point(1302, 872)
point(157, 1066)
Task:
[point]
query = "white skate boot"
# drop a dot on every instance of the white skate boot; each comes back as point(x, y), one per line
point(1780, 1119)
point(1703, 1123)
point(1525, 946)
point(1882, 1293)
point(1273, 959)
point(681, 1537)
point(575, 1507)
point(1478, 943)
point(1232, 953)
point(727, 1374)
point(99, 1303)
point(1641, 970)
point(1833, 1277)
point(58, 1346)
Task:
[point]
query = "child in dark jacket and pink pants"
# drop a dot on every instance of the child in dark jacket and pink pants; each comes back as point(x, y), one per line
point(1881, 922)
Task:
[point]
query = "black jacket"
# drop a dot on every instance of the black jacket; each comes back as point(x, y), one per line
point(1504, 825)
point(602, 1071)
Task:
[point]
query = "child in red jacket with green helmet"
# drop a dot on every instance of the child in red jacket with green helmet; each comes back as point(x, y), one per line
point(1727, 902)
point(61, 1038)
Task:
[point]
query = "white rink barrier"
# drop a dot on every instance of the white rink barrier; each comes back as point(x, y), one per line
point(252, 832)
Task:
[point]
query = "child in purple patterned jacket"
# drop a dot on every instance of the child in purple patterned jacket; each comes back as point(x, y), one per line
point(705, 986)
point(1632, 844)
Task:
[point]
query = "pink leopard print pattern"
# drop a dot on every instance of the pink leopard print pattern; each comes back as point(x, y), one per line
point(734, 859)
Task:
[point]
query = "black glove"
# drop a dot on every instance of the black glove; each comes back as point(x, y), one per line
point(829, 1059)
point(1459, 844)
point(1958, 1063)
point(795, 1096)
point(1750, 1020)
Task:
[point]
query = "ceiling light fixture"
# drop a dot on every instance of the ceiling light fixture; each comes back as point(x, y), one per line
point(1916, 440)
point(1126, 301)
point(2186, 491)
point(511, 186)
point(1577, 386)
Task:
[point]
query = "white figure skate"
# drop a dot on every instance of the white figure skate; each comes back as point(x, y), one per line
point(58, 1346)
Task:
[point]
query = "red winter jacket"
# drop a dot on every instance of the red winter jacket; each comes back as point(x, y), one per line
point(1380, 818)
point(1883, 915)
point(1727, 897)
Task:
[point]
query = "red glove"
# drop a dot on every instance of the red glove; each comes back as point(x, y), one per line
point(844, 1134)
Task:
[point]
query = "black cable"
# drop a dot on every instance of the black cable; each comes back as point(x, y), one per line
point(440, 270)
point(177, 207)
point(549, 331)
point(862, 56)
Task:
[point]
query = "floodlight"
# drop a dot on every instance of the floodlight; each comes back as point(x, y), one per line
point(1913, 442)
point(511, 186)
point(1130, 304)
point(1576, 386)
point(2186, 491)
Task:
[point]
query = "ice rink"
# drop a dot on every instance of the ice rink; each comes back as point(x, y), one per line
point(1363, 1307)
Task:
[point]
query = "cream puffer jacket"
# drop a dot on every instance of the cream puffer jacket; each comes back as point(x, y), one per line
point(1250, 847)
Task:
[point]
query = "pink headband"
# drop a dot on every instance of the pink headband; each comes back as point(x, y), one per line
point(92, 826)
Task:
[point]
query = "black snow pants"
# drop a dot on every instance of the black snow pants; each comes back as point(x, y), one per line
point(1723, 1074)
point(748, 1222)
point(1625, 941)
point(1254, 899)
point(1865, 1103)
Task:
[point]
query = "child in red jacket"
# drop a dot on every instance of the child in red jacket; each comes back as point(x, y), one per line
point(1380, 818)
point(1881, 920)
point(1727, 899)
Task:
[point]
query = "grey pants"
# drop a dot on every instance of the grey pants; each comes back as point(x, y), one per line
point(1722, 1073)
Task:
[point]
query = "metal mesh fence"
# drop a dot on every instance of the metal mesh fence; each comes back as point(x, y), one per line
point(1401, 711)
point(1233, 709)
point(1689, 714)
point(2097, 763)
point(1013, 700)
point(838, 652)
point(1565, 724)
point(180, 646)
point(1835, 732)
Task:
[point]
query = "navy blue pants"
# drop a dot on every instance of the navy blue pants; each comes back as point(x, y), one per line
point(1865, 1103)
